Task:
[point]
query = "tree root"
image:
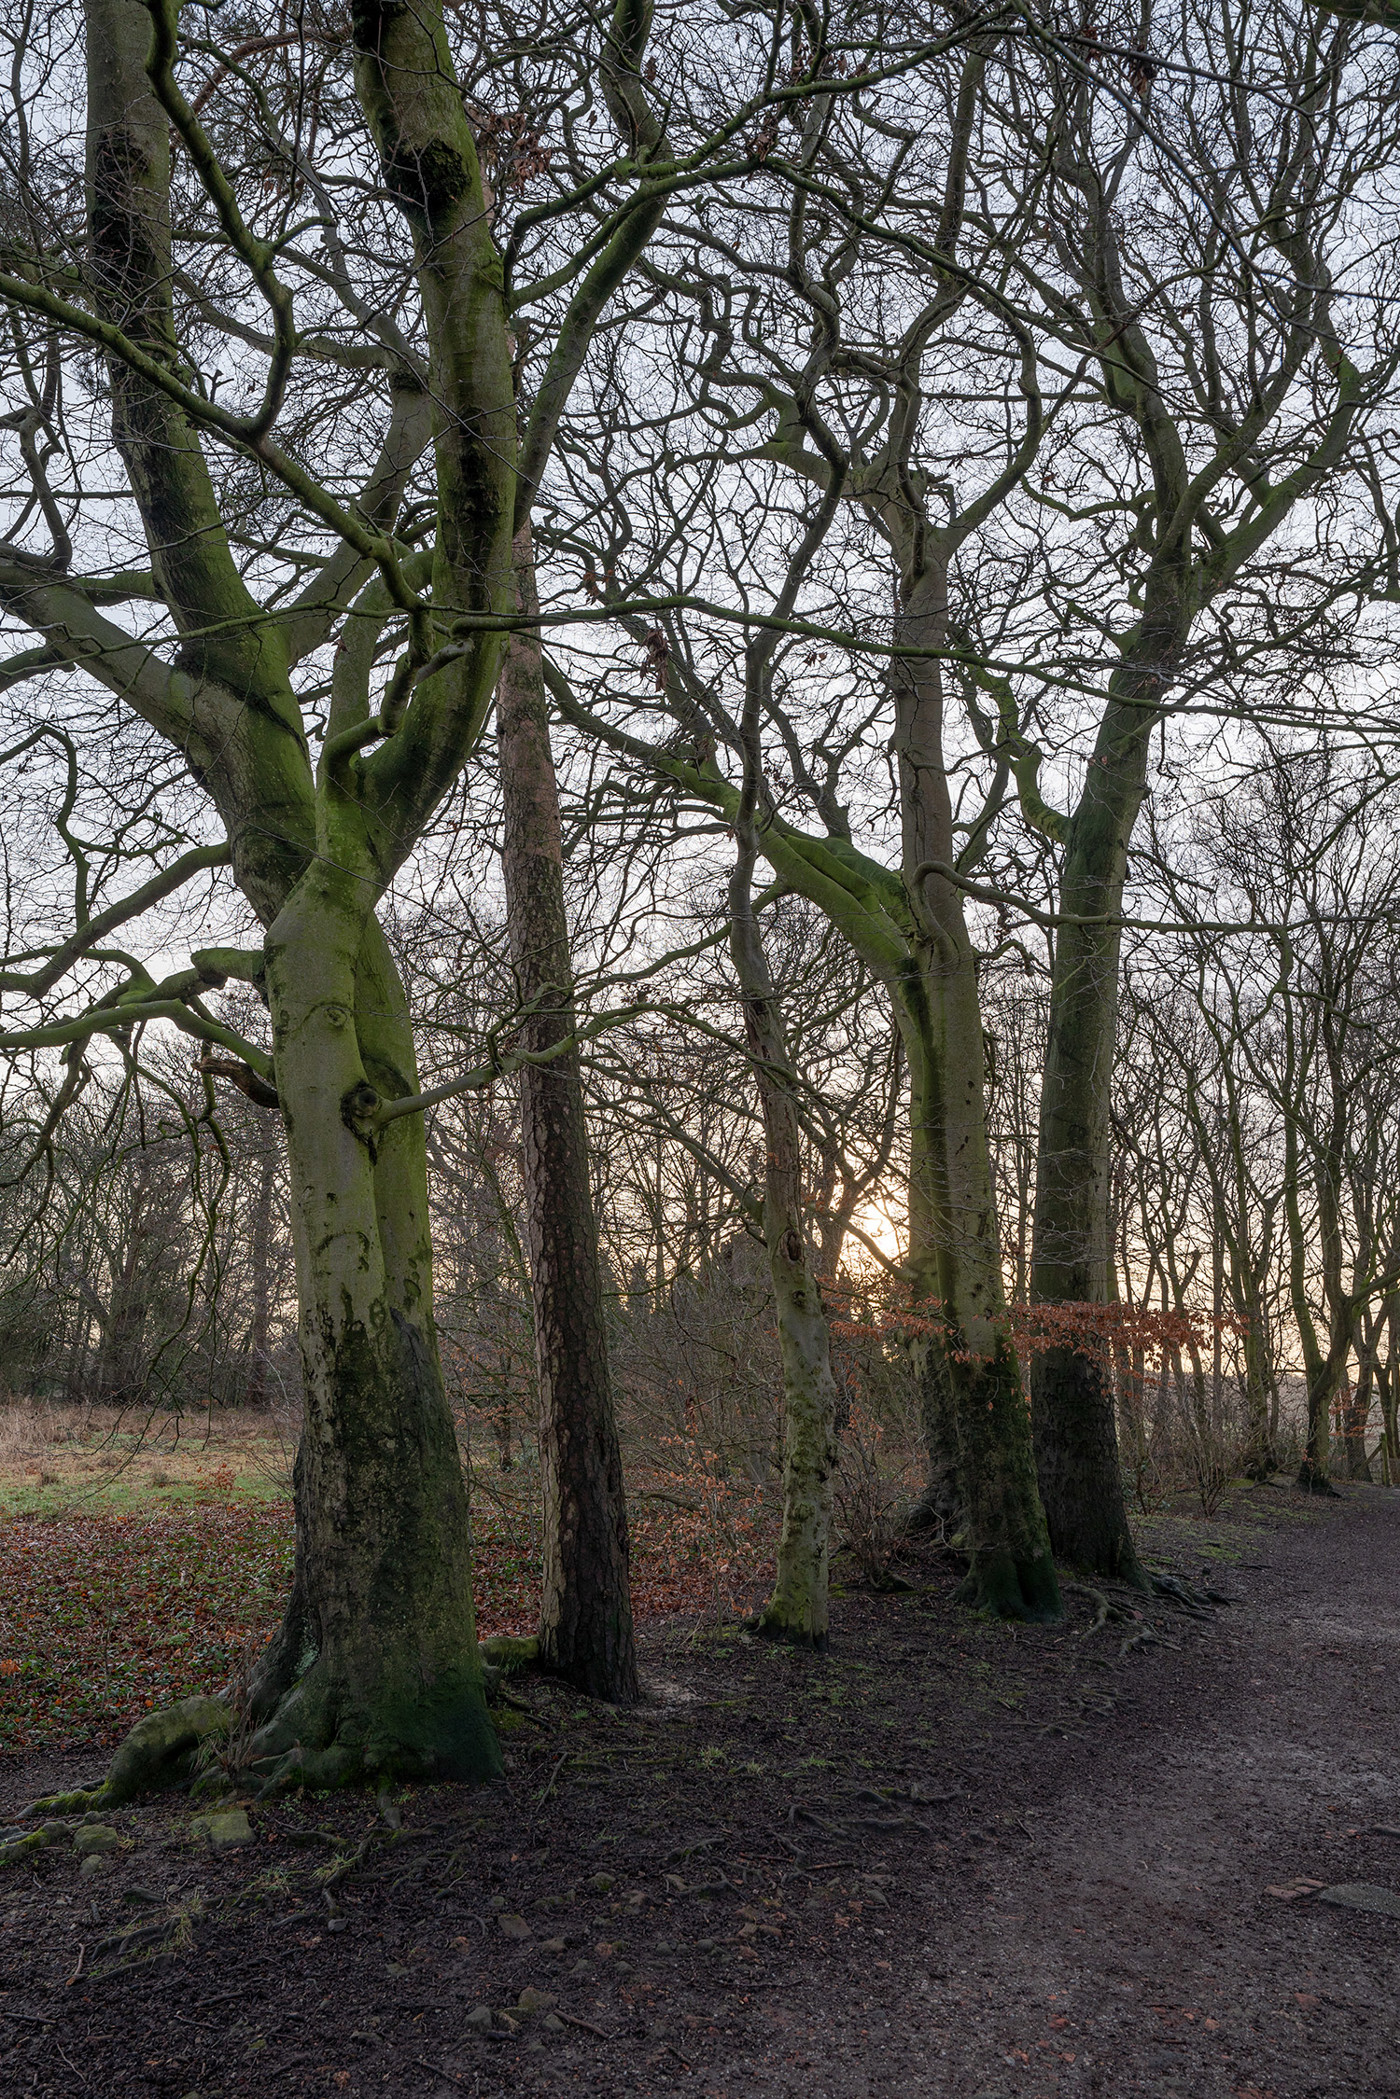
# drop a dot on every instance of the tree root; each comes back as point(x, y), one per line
point(1106, 1611)
point(507, 1652)
point(305, 1737)
point(1200, 1604)
point(1195, 1602)
point(163, 1750)
point(1145, 1636)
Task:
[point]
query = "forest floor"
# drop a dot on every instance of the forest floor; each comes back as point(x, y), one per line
point(951, 1858)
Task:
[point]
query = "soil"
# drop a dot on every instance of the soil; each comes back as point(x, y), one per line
point(950, 1858)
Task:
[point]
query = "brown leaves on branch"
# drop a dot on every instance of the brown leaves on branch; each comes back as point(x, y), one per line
point(1089, 1329)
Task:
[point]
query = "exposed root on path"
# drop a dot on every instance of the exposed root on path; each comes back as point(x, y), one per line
point(1106, 1610)
point(1197, 1603)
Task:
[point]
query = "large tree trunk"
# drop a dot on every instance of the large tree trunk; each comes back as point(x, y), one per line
point(971, 1375)
point(1076, 1438)
point(586, 1610)
point(976, 1428)
point(1322, 1368)
point(375, 1671)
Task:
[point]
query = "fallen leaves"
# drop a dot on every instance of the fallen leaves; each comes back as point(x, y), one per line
point(107, 1614)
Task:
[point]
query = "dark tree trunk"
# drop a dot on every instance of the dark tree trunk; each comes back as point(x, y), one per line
point(586, 1613)
point(1356, 1417)
point(1072, 1399)
point(1074, 1392)
point(121, 1366)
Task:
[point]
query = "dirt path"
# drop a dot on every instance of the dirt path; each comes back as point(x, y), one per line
point(951, 1860)
point(1135, 1948)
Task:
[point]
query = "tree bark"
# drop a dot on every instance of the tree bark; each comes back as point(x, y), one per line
point(1322, 1368)
point(1356, 1416)
point(375, 1671)
point(975, 1415)
point(260, 1247)
point(586, 1631)
point(798, 1610)
point(1076, 1439)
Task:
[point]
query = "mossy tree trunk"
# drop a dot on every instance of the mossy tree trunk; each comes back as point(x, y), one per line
point(798, 1609)
point(375, 1669)
point(1076, 1438)
point(586, 1609)
point(971, 1370)
point(1196, 539)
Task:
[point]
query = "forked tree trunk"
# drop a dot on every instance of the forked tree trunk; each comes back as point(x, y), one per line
point(798, 1609)
point(586, 1611)
point(375, 1671)
point(975, 1416)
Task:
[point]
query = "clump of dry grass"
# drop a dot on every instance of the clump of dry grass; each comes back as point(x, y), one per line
point(25, 1431)
point(43, 1443)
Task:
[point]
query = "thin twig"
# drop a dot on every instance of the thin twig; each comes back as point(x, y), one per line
point(438, 2071)
point(552, 1777)
point(583, 2025)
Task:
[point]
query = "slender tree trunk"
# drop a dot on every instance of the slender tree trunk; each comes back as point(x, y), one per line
point(1356, 1416)
point(586, 1611)
point(120, 1370)
point(1390, 1457)
point(797, 1611)
point(256, 1390)
point(75, 1384)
